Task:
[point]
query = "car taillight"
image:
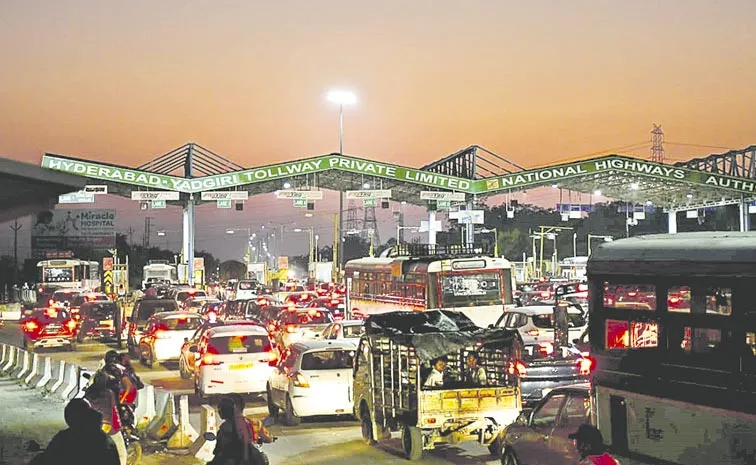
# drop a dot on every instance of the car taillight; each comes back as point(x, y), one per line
point(292, 328)
point(271, 327)
point(272, 358)
point(30, 326)
point(300, 380)
point(517, 367)
point(586, 366)
point(532, 332)
point(545, 294)
point(546, 348)
point(71, 324)
point(582, 287)
point(51, 302)
point(208, 359)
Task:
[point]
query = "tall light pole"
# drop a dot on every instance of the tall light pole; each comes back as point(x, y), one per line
point(496, 239)
point(341, 98)
point(592, 236)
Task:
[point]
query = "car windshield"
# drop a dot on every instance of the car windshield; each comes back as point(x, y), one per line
point(183, 295)
point(64, 296)
point(312, 317)
point(48, 316)
point(244, 344)
point(546, 351)
point(246, 285)
point(471, 289)
point(574, 319)
point(327, 360)
point(354, 331)
point(181, 323)
point(103, 311)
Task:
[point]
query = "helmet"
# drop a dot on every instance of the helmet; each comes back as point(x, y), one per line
point(112, 356)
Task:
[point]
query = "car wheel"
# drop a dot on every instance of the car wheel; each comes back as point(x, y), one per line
point(412, 442)
point(183, 369)
point(133, 453)
point(509, 458)
point(290, 418)
point(367, 426)
point(272, 407)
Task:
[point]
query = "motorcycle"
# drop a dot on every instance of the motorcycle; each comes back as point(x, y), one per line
point(263, 458)
point(125, 416)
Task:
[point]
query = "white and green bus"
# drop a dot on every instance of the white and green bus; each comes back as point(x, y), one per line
point(673, 330)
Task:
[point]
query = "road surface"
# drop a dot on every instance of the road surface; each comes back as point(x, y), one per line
point(314, 442)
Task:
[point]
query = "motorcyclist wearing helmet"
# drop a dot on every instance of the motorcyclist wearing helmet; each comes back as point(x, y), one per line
point(83, 442)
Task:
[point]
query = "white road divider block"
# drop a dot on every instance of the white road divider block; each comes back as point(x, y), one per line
point(58, 378)
point(202, 448)
point(145, 407)
point(71, 383)
point(10, 361)
point(121, 446)
point(4, 354)
point(165, 422)
point(185, 434)
point(34, 367)
point(44, 375)
point(25, 365)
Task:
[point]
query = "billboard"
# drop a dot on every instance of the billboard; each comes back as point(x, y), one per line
point(69, 228)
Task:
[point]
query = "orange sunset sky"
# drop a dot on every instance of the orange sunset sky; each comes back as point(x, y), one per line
point(534, 81)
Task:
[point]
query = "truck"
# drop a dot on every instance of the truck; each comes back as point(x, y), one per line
point(321, 272)
point(258, 272)
point(158, 271)
point(392, 364)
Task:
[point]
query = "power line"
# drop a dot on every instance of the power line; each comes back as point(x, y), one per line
point(701, 146)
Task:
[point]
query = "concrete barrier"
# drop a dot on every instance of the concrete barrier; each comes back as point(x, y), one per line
point(202, 448)
point(59, 376)
point(35, 367)
point(24, 366)
point(70, 386)
point(120, 445)
point(45, 374)
point(145, 407)
point(4, 348)
point(10, 362)
point(185, 434)
point(165, 422)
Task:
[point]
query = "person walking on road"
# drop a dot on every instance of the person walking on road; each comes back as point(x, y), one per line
point(590, 446)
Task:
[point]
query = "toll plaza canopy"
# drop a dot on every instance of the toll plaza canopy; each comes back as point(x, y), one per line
point(26, 189)
point(191, 169)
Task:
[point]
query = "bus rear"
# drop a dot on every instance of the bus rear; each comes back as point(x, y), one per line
point(672, 327)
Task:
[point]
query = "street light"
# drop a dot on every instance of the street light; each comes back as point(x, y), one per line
point(592, 236)
point(310, 231)
point(496, 239)
point(341, 98)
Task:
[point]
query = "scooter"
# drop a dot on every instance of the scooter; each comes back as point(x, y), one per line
point(262, 458)
point(125, 414)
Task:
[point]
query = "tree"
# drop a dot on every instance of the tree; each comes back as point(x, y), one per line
point(232, 269)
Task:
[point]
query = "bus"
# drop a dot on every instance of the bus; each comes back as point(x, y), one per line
point(69, 274)
point(573, 268)
point(672, 327)
point(418, 277)
point(159, 272)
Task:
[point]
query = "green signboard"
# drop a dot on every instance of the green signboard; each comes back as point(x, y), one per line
point(515, 181)
point(223, 203)
point(443, 204)
point(369, 203)
point(158, 204)
point(300, 203)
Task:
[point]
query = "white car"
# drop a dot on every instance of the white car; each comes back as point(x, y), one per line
point(350, 330)
point(164, 335)
point(534, 323)
point(233, 359)
point(312, 378)
point(301, 324)
point(245, 289)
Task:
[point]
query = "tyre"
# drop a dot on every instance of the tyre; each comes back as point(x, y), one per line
point(495, 448)
point(509, 458)
point(290, 418)
point(367, 426)
point(412, 442)
point(150, 361)
point(272, 407)
point(133, 453)
point(183, 369)
point(258, 457)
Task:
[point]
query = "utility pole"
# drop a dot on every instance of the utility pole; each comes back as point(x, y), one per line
point(147, 232)
point(130, 233)
point(15, 229)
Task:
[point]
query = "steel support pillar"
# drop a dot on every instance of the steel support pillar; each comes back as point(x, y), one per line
point(431, 227)
point(745, 216)
point(672, 222)
point(189, 238)
point(470, 228)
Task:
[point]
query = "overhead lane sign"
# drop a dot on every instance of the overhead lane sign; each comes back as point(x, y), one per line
point(225, 195)
point(643, 168)
point(368, 194)
point(154, 195)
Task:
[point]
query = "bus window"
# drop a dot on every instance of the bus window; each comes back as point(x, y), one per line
point(701, 340)
point(620, 334)
point(711, 300)
point(630, 296)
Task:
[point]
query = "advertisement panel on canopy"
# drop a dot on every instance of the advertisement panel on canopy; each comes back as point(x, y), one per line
point(64, 229)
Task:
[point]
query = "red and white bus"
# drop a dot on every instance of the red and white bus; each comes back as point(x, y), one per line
point(417, 277)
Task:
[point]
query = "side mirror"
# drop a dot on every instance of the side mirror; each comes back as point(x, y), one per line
point(524, 418)
point(86, 375)
point(193, 349)
point(268, 422)
point(186, 339)
point(32, 446)
point(209, 436)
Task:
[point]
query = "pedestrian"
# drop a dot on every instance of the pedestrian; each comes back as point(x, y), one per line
point(590, 445)
point(83, 442)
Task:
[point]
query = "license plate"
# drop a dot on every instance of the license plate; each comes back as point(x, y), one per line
point(241, 366)
point(106, 322)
